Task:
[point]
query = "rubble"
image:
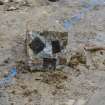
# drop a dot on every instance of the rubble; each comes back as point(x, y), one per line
point(90, 55)
point(54, 78)
point(11, 5)
point(76, 59)
point(73, 85)
point(94, 47)
point(46, 50)
point(7, 80)
point(11, 8)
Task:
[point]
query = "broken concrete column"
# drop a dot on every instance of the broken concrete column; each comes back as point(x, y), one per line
point(46, 50)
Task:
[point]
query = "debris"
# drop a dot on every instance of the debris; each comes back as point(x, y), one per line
point(23, 86)
point(62, 60)
point(11, 5)
point(4, 1)
point(59, 86)
point(6, 61)
point(28, 92)
point(49, 63)
point(8, 79)
point(54, 78)
point(12, 103)
point(94, 48)
point(54, 92)
point(13, 92)
point(96, 44)
point(11, 8)
point(22, 66)
point(45, 49)
point(95, 56)
point(77, 59)
point(24, 3)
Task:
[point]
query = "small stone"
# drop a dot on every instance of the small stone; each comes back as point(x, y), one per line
point(23, 86)
point(59, 86)
point(11, 8)
point(6, 61)
point(62, 61)
point(54, 92)
point(27, 93)
point(13, 92)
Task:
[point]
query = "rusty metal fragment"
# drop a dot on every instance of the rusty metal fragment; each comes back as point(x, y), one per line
point(46, 50)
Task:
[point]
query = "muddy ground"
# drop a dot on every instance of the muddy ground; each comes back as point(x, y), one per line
point(69, 86)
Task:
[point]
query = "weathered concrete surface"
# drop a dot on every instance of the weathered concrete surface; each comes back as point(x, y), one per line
point(98, 98)
point(39, 88)
point(4, 98)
